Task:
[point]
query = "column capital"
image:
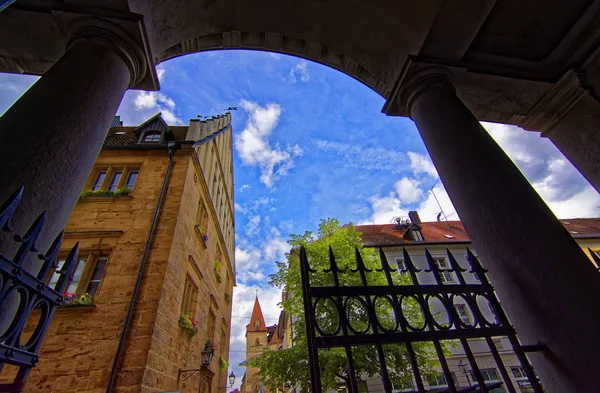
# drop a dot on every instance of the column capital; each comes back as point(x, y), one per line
point(101, 32)
point(419, 82)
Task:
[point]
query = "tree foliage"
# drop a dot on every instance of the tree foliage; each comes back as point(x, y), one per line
point(291, 365)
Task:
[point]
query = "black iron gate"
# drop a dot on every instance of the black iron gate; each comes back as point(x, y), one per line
point(22, 292)
point(346, 301)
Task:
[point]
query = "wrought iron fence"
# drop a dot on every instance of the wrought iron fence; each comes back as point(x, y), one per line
point(358, 321)
point(22, 292)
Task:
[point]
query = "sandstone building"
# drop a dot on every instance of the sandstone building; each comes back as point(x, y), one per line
point(184, 243)
point(259, 337)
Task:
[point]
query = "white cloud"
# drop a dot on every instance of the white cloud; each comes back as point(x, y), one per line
point(150, 102)
point(244, 187)
point(558, 182)
point(408, 190)
point(361, 157)
point(253, 146)
point(388, 207)
point(161, 74)
point(299, 71)
point(420, 163)
point(252, 227)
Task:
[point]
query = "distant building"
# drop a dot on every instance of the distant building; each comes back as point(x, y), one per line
point(414, 236)
point(186, 242)
point(258, 338)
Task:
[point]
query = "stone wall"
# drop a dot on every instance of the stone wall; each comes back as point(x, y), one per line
point(80, 345)
point(171, 347)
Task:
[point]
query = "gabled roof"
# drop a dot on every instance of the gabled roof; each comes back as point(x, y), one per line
point(448, 232)
point(257, 315)
point(274, 337)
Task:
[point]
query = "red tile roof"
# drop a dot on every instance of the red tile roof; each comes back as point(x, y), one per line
point(439, 232)
point(257, 314)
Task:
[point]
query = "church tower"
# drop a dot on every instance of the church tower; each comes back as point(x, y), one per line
point(256, 340)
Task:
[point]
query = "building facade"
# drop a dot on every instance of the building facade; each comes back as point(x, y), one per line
point(259, 337)
point(155, 230)
point(415, 236)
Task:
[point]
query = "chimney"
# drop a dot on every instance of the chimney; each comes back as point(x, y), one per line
point(414, 217)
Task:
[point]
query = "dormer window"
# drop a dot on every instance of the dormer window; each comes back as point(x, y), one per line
point(257, 325)
point(151, 137)
point(417, 235)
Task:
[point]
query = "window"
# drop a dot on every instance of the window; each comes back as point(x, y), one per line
point(96, 276)
point(518, 372)
point(440, 380)
point(98, 182)
point(151, 137)
point(401, 266)
point(86, 277)
point(488, 374)
point(114, 182)
point(211, 325)
point(257, 342)
point(112, 178)
point(463, 314)
point(257, 325)
point(475, 276)
point(131, 178)
point(494, 313)
point(202, 217)
point(417, 235)
point(190, 293)
point(446, 276)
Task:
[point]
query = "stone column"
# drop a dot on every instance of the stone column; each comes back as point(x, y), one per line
point(51, 137)
point(547, 285)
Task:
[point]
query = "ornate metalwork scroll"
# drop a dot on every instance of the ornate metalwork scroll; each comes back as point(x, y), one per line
point(396, 327)
point(22, 292)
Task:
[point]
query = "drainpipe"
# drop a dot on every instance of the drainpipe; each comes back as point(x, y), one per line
point(115, 367)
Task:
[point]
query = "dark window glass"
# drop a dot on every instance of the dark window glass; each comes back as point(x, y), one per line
point(152, 137)
point(131, 179)
point(115, 181)
point(99, 180)
point(96, 276)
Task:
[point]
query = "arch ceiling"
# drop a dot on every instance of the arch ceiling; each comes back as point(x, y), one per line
point(513, 61)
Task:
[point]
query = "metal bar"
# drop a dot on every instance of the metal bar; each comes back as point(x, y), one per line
point(447, 373)
point(415, 367)
point(313, 356)
point(474, 366)
point(535, 385)
point(352, 384)
point(507, 381)
point(476, 289)
point(391, 338)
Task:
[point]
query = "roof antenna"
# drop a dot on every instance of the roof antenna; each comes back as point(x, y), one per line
point(438, 202)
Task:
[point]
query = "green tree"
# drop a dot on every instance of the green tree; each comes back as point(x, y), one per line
point(291, 365)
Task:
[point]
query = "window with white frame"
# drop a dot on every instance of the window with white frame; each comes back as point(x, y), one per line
point(463, 313)
point(488, 374)
point(518, 372)
point(86, 277)
point(475, 276)
point(151, 137)
point(401, 266)
point(446, 275)
point(111, 178)
point(440, 380)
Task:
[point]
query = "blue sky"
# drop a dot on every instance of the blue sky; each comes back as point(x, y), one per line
point(311, 143)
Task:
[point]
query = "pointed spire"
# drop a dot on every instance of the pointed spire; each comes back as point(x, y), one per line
point(257, 315)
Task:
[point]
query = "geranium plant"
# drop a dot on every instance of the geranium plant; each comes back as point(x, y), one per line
point(73, 300)
point(188, 324)
point(209, 345)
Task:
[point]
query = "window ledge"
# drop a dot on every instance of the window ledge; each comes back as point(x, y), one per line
point(104, 198)
point(75, 309)
point(199, 235)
